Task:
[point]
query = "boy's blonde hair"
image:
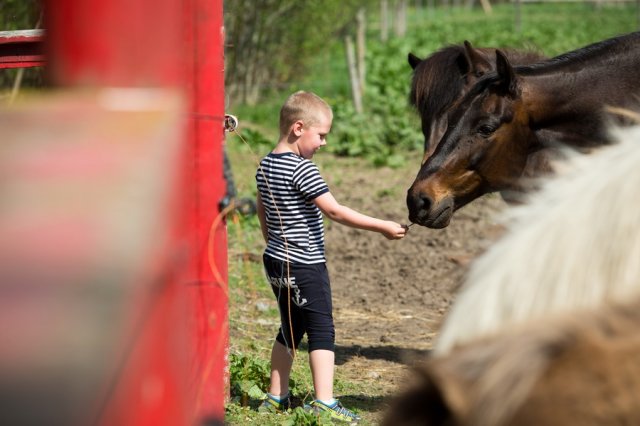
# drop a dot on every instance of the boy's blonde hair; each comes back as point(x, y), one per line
point(303, 106)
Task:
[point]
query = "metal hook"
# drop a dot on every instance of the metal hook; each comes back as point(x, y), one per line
point(230, 123)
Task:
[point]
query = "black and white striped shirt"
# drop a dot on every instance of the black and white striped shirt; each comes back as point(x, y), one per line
point(288, 184)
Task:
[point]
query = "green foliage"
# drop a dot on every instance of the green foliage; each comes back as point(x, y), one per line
point(19, 14)
point(298, 417)
point(272, 42)
point(257, 141)
point(249, 377)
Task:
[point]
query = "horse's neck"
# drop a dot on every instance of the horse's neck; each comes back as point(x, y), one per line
point(567, 105)
point(622, 48)
point(586, 79)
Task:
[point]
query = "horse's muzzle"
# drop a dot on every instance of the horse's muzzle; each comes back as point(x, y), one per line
point(425, 211)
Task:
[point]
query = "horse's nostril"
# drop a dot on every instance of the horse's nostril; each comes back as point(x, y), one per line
point(425, 202)
point(417, 203)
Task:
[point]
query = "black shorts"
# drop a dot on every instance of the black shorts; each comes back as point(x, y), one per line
point(304, 299)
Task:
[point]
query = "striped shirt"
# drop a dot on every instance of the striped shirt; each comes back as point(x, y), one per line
point(288, 184)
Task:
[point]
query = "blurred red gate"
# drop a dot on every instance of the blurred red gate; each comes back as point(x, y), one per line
point(113, 277)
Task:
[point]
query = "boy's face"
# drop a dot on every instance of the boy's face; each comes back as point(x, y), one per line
point(313, 137)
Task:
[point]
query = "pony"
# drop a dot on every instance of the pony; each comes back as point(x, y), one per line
point(574, 370)
point(510, 116)
point(546, 327)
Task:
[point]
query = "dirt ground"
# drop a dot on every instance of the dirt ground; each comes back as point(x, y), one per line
point(390, 296)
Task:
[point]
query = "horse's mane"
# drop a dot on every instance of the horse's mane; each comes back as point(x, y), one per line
point(588, 53)
point(438, 80)
point(574, 244)
point(574, 58)
point(434, 85)
point(502, 370)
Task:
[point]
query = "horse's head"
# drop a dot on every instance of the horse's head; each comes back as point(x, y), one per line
point(442, 79)
point(484, 149)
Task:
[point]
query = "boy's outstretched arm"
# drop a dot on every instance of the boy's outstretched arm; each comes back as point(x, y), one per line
point(347, 216)
point(261, 217)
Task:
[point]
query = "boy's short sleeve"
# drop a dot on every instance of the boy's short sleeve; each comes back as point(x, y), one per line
point(307, 179)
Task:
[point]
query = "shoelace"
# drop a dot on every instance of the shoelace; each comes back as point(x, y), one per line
point(338, 408)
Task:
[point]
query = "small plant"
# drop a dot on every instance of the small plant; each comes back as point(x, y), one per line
point(299, 417)
point(249, 378)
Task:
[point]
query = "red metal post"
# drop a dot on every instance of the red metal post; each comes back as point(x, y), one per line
point(174, 44)
point(207, 271)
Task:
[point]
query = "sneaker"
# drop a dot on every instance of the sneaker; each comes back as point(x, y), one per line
point(336, 410)
point(272, 405)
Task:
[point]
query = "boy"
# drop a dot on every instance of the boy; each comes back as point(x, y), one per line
point(292, 196)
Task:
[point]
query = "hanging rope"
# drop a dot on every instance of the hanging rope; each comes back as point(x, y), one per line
point(231, 124)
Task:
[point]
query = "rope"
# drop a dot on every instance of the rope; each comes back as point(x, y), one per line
point(286, 245)
point(218, 220)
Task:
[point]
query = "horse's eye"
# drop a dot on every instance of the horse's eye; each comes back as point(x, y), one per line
point(486, 130)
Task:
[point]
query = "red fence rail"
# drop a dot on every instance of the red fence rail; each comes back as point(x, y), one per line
point(21, 49)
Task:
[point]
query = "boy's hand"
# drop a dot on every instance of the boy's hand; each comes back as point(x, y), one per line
point(394, 231)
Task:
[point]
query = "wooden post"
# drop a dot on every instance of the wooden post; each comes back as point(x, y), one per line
point(486, 6)
point(384, 20)
point(361, 48)
point(400, 19)
point(353, 74)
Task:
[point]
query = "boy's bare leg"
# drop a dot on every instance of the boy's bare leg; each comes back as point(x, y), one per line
point(281, 362)
point(322, 364)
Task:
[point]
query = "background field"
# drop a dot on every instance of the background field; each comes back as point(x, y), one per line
point(389, 296)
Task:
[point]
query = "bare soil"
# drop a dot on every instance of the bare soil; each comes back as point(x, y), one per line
point(390, 296)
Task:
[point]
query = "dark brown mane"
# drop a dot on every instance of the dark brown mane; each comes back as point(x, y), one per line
point(434, 86)
point(606, 48)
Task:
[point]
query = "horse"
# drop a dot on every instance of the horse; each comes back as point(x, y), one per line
point(546, 327)
point(575, 370)
point(510, 116)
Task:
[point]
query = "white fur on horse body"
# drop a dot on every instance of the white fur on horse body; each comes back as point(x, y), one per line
point(574, 369)
point(575, 244)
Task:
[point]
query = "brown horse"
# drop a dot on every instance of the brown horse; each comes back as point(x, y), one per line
point(509, 116)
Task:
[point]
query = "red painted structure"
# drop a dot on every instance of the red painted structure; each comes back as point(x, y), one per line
point(139, 107)
point(21, 49)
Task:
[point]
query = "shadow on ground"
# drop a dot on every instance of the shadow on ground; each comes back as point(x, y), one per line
point(395, 354)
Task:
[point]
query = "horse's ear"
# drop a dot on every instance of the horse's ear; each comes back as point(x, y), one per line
point(505, 71)
point(413, 60)
point(476, 62)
